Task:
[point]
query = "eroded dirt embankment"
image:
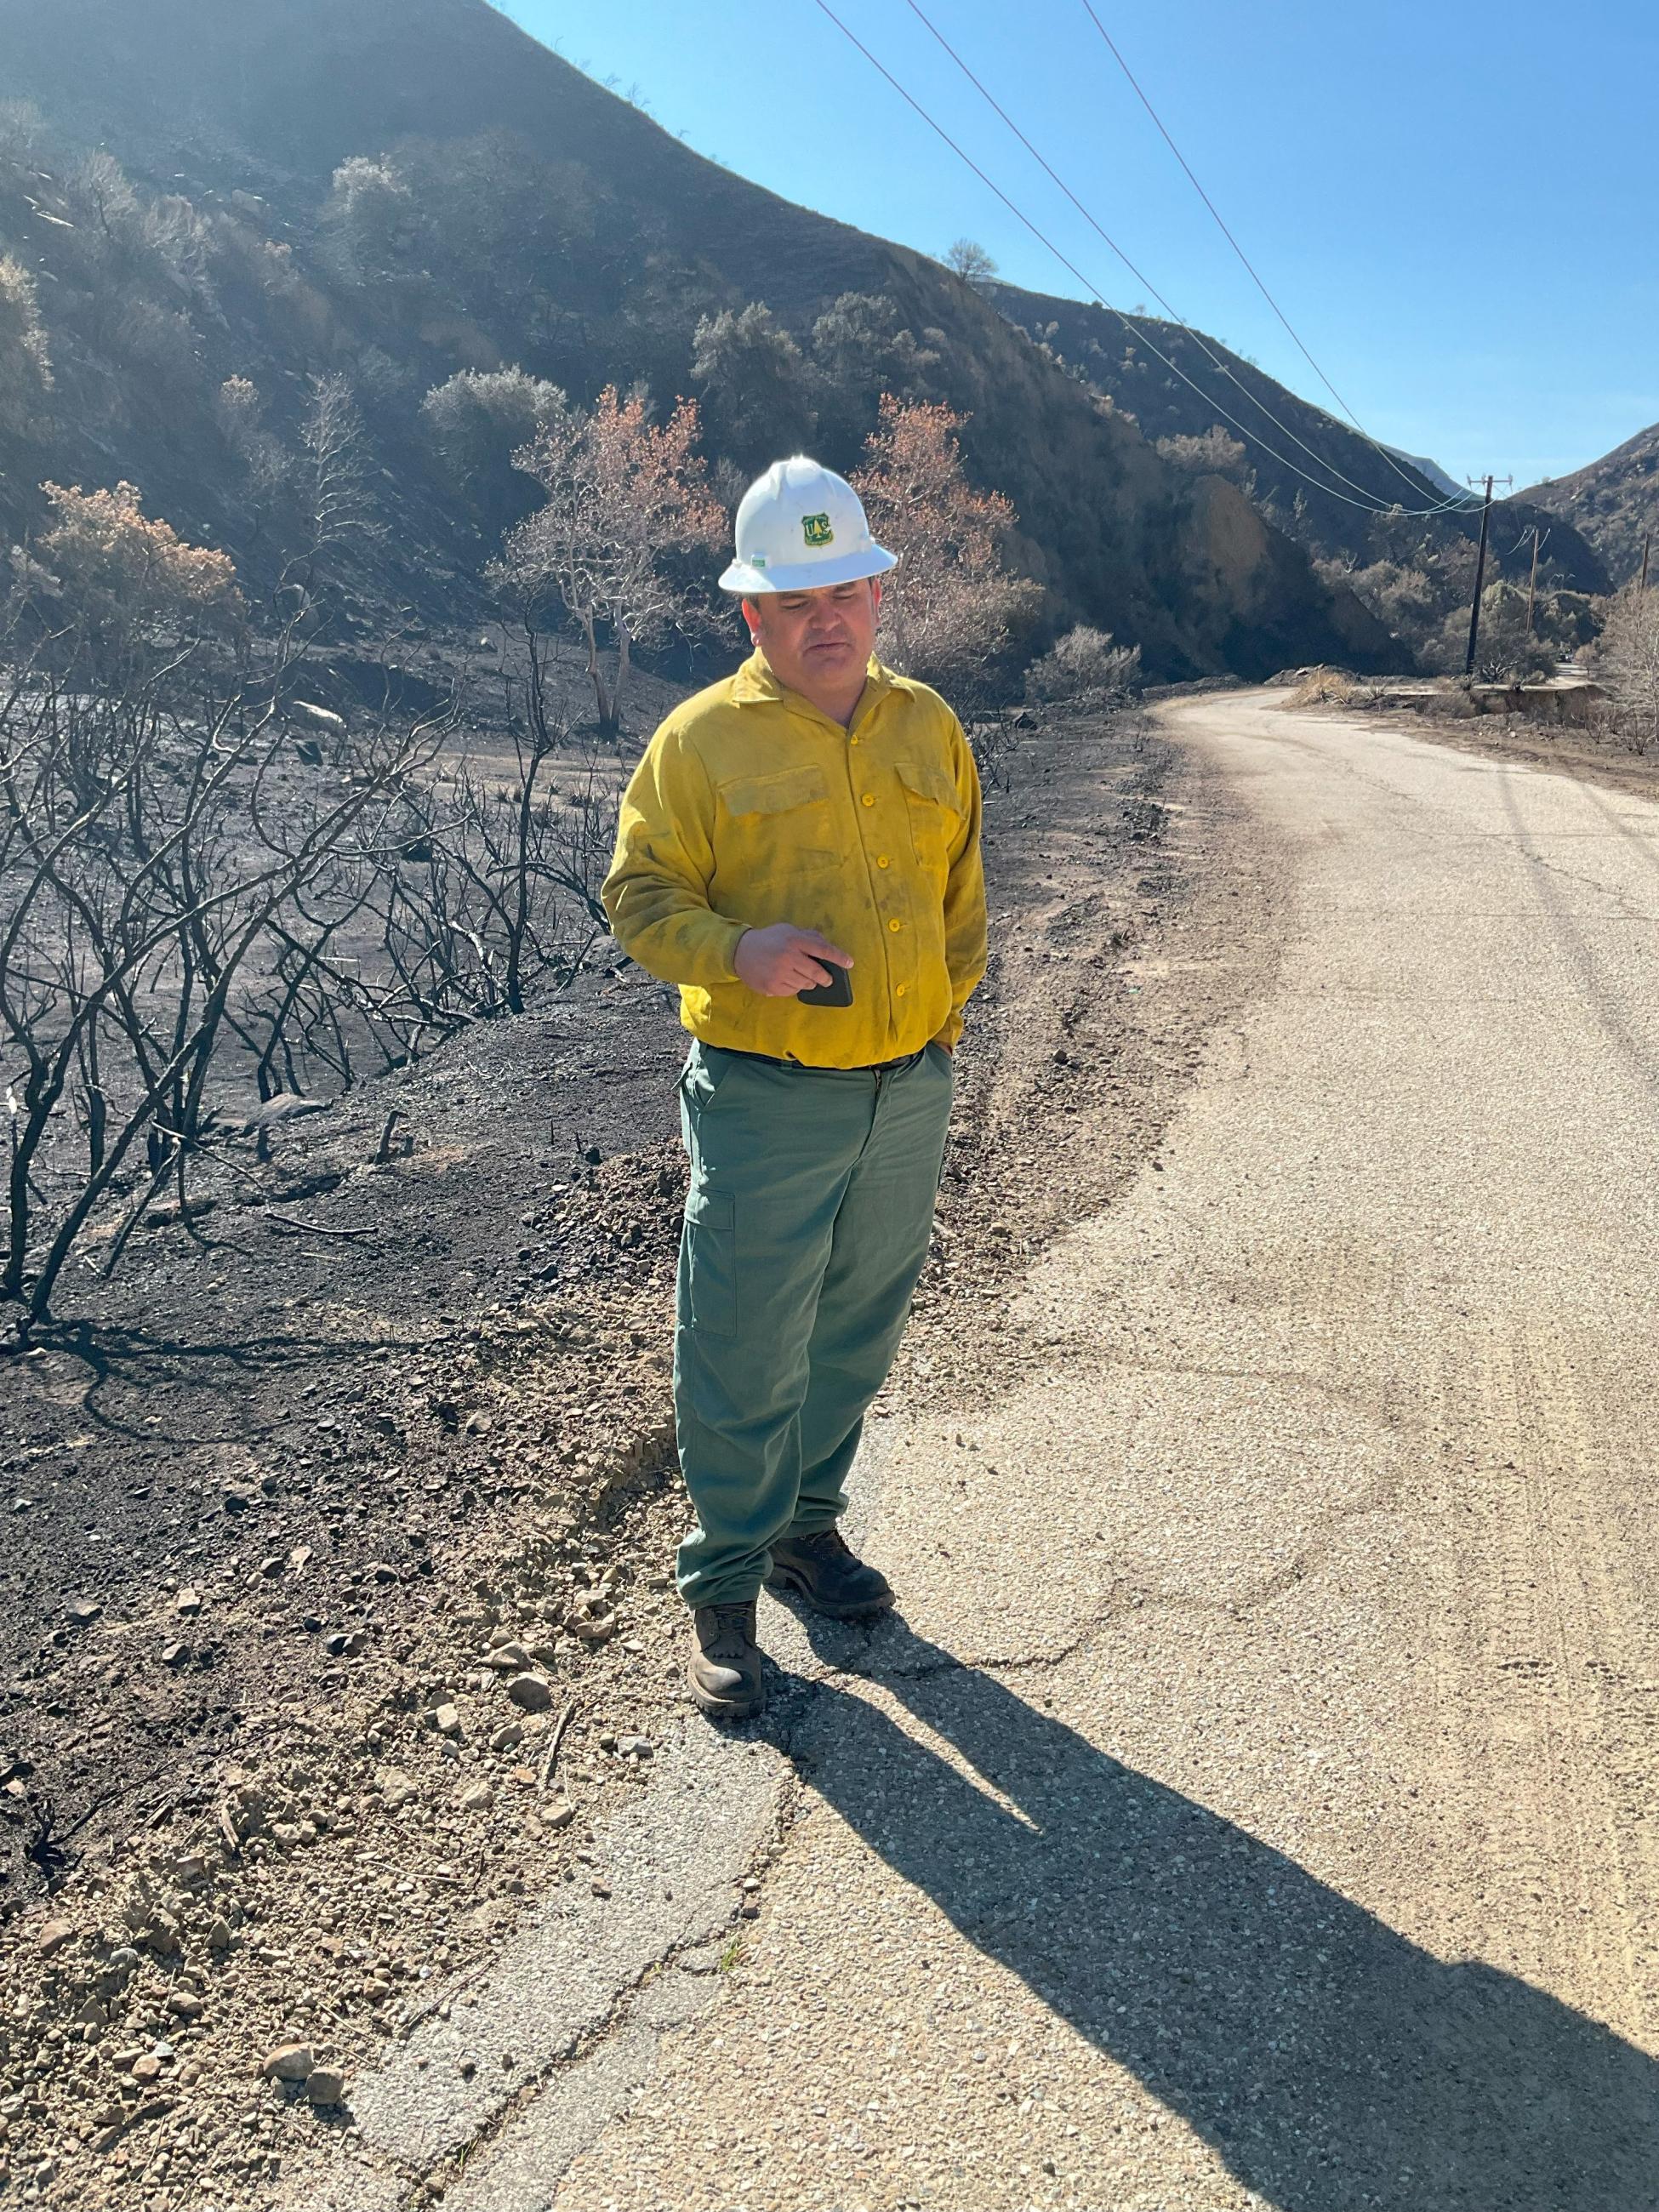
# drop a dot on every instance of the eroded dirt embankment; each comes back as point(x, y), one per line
point(339, 1596)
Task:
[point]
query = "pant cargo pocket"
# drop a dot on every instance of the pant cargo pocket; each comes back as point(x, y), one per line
point(709, 1258)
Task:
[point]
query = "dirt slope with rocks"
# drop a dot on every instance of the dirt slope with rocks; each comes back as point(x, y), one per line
point(339, 1596)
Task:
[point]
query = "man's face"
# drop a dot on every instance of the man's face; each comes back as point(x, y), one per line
point(817, 641)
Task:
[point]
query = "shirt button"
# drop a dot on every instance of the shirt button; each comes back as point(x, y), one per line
point(896, 925)
point(883, 860)
point(899, 989)
point(869, 798)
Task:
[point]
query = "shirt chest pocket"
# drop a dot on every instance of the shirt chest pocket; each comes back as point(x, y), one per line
point(934, 807)
point(780, 827)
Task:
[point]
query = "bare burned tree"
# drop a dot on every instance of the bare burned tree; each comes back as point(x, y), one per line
point(969, 260)
point(482, 889)
point(151, 859)
point(336, 488)
point(497, 888)
point(191, 900)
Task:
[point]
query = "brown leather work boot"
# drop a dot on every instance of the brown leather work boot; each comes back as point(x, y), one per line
point(725, 1661)
point(830, 1577)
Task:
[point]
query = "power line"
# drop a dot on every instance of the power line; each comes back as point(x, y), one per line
point(1255, 274)
point(1369, 506)
point(1180, 320)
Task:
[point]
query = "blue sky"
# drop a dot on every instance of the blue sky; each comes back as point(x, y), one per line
point(1452, 201)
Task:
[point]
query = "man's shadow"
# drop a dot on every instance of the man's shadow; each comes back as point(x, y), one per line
point(1330, 2063)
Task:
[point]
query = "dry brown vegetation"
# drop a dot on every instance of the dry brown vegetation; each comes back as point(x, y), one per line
point(1627, 661)
point(955, 607)
point(628, 508)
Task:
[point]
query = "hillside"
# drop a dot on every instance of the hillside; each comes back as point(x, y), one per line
point(1614, 503)
point(389, 195)
point(1331, 516)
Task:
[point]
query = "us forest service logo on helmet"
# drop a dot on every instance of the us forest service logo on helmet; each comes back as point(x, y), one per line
point(815, 529)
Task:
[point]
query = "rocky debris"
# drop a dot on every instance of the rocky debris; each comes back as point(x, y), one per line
point(53, 1937)
point(288, 2062)
point(161, 1931)
point(231, 1963)
point(311, 716)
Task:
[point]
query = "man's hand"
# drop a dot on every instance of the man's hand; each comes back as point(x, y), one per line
point(781, 960)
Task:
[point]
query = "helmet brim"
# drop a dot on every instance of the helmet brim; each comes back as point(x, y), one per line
point(808, 575)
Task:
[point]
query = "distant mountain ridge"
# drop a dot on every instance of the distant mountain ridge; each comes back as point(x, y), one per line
point(1431, 473)
point(233, 120)
point(1614, 503)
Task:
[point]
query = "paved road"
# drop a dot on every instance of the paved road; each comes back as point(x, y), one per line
point(1256, 1805)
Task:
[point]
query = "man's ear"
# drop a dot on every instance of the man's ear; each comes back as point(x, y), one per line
point(752, 616)
point(875, 595)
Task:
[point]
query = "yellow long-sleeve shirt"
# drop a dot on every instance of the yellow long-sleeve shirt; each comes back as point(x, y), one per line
point(752, 807)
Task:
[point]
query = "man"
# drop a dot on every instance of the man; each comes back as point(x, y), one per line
point(809, 824)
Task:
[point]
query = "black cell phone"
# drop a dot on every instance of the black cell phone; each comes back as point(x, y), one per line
point(837, 991)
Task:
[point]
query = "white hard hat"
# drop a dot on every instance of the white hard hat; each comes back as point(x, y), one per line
point(800, 527)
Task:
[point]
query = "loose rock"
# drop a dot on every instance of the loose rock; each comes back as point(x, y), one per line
point(288, 2062)
point(532, 1693)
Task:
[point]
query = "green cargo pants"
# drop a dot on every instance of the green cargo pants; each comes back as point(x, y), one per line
point(806, 1224)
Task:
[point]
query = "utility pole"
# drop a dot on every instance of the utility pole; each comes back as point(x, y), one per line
point(1480, 571)
point(1647, 540)
point(1532, 581)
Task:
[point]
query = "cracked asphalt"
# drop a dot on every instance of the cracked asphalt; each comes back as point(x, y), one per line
point(1255, 1803)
